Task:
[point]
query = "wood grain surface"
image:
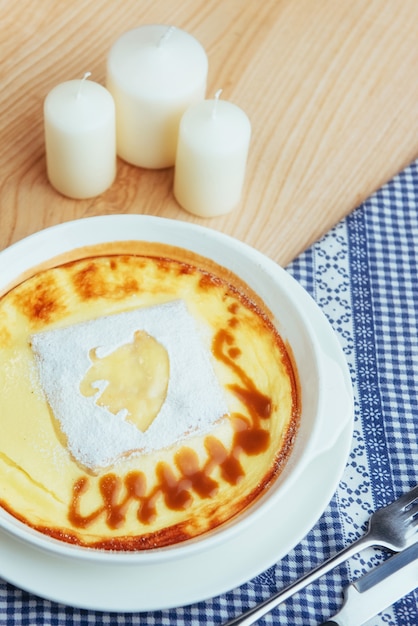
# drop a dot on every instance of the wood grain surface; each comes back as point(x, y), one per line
point(330, 87)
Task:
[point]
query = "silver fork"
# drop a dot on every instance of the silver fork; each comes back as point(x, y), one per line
point(393, 526)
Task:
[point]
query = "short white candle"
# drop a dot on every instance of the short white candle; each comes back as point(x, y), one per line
point(80, 138)
point(211, 157)
point(154, 73)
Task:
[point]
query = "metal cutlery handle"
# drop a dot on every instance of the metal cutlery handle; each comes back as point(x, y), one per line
point(393, 526)
point(257, 612)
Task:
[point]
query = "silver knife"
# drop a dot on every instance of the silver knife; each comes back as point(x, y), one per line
point(378, 589)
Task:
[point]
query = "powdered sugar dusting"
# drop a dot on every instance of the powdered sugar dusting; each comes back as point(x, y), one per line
point(96, 437)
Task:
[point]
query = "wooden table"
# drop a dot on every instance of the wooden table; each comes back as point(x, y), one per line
point(330, 87)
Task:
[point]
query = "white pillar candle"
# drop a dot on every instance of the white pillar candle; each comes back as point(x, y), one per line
point(212, 152)
point(154, 73)
point(80, 138)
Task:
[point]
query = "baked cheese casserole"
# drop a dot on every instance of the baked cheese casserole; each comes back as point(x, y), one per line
point(146, 397)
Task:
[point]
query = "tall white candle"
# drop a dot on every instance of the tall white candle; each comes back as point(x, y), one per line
point(154, 73)
point(80, 138)
point(211, 160)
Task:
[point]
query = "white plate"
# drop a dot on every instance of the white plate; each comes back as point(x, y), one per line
point(266, 537)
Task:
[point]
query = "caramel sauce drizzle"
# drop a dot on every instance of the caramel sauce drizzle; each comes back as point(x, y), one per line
point(177, 488)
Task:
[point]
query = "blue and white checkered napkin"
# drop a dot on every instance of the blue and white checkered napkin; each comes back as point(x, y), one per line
point(364, 276)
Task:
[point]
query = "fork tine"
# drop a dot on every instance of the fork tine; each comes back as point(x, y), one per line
point(408, 498)
point(411, 513)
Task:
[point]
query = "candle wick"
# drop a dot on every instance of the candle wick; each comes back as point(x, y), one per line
point(166, 36)
point(85, 77)
point(215, 104)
